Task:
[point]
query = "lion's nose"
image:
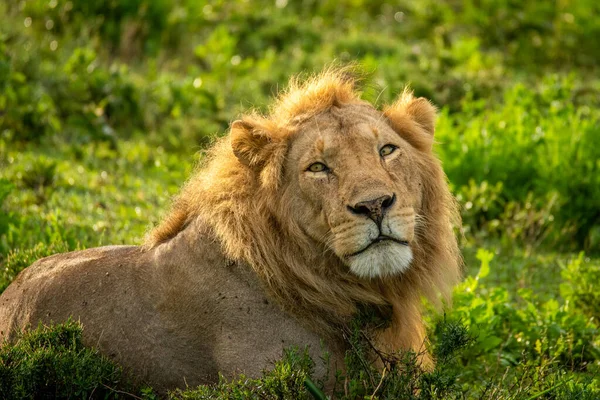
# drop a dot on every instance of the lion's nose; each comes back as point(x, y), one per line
point(374, 209)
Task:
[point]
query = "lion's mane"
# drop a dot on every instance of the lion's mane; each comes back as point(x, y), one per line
point(247, 213)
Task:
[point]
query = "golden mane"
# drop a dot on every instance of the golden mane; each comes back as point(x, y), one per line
point(300, 101)
point(245, 211)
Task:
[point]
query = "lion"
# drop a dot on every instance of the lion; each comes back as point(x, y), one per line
point(296, 219)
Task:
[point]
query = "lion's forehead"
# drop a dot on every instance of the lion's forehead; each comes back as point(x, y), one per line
point(333, 131)
point(346, 137)
point(347, 116)
point(357, 141)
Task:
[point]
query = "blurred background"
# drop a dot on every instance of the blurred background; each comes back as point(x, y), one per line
point(106, 105)
point(517, 84)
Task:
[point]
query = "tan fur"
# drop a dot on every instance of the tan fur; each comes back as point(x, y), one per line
point(256, 224)
point(245, 208)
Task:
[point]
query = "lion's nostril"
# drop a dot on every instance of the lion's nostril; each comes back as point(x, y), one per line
point(359, 209)
point(388, 201)
point(362, 210)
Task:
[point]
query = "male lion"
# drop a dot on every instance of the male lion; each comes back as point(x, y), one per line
point(295, 220)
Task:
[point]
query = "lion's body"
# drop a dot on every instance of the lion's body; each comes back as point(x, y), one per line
point(324, 206)
point(165, 324)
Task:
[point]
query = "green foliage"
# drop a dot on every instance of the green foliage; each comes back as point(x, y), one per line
point(53, 363)
point(580, 280)
point(450, 336)
point(399, 375)
point(285, 381)
point(39, 176)
point(500, 126)
point(529, 345)
point(5, 218)
point(531, 162)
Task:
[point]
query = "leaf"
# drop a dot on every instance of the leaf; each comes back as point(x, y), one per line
point(5, 188)
point(490, 342)
point(485, 256)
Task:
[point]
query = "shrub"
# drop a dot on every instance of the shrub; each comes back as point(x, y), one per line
point(5, 218)
point(580, 280)
point(539, 146)
point(285, 381)
point(529, 343)
point(52, 363)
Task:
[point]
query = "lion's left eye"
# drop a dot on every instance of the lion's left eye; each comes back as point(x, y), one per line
point(387, 150)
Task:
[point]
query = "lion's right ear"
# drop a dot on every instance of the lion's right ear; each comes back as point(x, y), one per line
point(250, 144)
point(261, 148)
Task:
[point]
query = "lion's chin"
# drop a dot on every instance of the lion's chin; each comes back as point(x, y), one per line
point(381, 260)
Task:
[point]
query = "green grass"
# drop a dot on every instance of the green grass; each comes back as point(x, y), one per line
point(53, 363)
point(105, 108)
point(285, 381)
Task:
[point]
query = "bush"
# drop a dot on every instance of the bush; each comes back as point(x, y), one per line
point(52, 363)
point(537, 155)
point(527, 344)
point(5, 218)
point(581, 276)
point(285, 381)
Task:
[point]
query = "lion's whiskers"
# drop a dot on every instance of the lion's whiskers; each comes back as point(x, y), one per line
point(421, 223)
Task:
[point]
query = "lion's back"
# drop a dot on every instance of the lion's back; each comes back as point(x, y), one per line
point(44, 291)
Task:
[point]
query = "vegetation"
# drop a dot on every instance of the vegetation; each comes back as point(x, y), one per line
point(105, 106)
point(52, 363)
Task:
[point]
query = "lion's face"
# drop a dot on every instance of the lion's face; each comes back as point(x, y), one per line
point(349, 177)
point(356, 189)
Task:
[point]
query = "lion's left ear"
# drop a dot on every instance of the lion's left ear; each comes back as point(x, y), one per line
point(407, 111)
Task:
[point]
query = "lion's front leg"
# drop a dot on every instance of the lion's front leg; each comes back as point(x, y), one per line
point(406, 332)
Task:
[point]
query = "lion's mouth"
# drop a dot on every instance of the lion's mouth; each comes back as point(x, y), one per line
point(379, 239)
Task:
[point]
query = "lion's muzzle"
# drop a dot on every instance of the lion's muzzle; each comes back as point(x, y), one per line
point(376, 240)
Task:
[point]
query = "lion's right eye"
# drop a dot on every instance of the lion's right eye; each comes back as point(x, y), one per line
point(317, 167)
